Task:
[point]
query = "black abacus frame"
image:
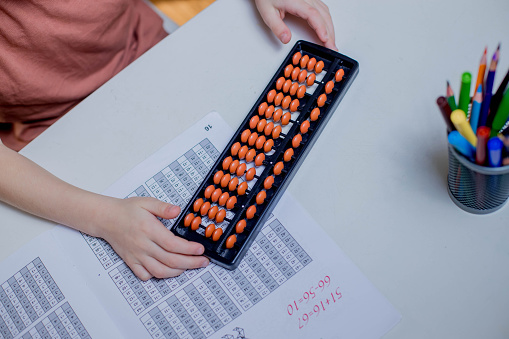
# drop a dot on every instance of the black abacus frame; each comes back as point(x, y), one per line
point(231, 258)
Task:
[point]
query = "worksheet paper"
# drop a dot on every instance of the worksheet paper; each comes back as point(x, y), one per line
point(294, 281)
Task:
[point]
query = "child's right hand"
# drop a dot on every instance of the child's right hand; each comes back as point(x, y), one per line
point(130, 226)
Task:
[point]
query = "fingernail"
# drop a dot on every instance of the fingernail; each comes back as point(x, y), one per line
point(284, 38)
point(200, 250)
point(175, 209)
point(205, 263)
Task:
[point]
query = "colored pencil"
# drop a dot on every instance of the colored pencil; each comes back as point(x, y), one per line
point(482, 69)
point(497, 97)
point(485, 108)
point(450, 97)
point(476, 108)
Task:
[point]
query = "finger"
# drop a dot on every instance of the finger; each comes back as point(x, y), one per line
point(180, 261)
point(159, 208)
point(273, 18)
point(171, 243)
point(324, 11)
point(140, 272)
point(313, 16)
point(159, 270)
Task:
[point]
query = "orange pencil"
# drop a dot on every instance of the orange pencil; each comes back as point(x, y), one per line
point(482, 69)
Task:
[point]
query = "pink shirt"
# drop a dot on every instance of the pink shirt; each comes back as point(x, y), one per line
point(55, 53)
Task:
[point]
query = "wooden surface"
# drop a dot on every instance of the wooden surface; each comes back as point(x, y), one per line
point(181, 11)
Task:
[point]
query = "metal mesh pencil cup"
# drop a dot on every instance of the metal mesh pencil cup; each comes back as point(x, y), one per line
point(476, 189)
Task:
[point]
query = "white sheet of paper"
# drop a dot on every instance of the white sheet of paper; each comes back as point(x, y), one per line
point(293, 283)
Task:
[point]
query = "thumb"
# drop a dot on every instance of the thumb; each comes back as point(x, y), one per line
point(160, 208)
point(273, 19)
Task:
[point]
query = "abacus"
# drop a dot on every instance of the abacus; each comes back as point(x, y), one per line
point(244, 185)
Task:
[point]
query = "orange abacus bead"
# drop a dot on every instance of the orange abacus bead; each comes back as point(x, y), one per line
point(233, 184)
point(286, 118)
point(242, 152)
point(269, 111)
point(261, 125)
point(245, 135)
point(188, 219)
point(230, 203)
point(294, 88)
point(295, 73)
point(209, 230)
point(223, 199)
point(228, 160)
point(286, 102)
point(279, 84)
point(212, 212)
point(297, 139)
point(251, 211)
point(277, 115)
point(294, 105)
point(288, 70)
point(267, 147)
point(268, 182)
point(205, 208)
point(208, 191)
point(197, 204)
point(233, 166)
point(315, 113)
point(286, 85)
point(259, 159)
point(241, 169)
point(221, 214)
point(240, 226)
point(276, 132)
point(268, 128)
point(230, 241)
point(260, 141)
point(304, 127)
point(279, 97)
point(250, 174)
point(329, 86)
point(278, 168)
point(252, 139)
point(195, 224)
point(319, 67)
point(235, 148)
point(311, 79)
point(262, 108)
point(288, 155)
point(339, 75)
point(217, 234)
point(241, 190)
point(302, 76)
point(216, 194)
point(311, 64)
point(301, 92)
point(304, 61)
point(250, 155)
point(253, 122)
point(296, 58)
point(321, 100)
point(225, 180)
point(271, 95)
point(260, 197)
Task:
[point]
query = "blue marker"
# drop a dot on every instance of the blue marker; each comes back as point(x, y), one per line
point(462, 145)
point(495, 152)
point(476, 108)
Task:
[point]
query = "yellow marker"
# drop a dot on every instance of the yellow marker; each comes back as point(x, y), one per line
point(459, 120)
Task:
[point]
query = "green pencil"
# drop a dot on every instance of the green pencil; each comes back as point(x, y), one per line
point(450, 97)
point(502, 114)
point(464, 99)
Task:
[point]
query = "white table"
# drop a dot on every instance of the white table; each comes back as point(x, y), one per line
point(376, 178)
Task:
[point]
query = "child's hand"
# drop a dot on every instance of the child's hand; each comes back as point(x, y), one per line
point(147, 247)
point(315, 12)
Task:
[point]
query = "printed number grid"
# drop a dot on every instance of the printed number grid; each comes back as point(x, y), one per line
point(197, 311)
point(25, 297)
point(174, 184)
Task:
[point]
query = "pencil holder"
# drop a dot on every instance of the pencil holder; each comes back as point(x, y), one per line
point(476, 189)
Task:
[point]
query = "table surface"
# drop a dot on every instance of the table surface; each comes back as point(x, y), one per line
point(375, 179)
